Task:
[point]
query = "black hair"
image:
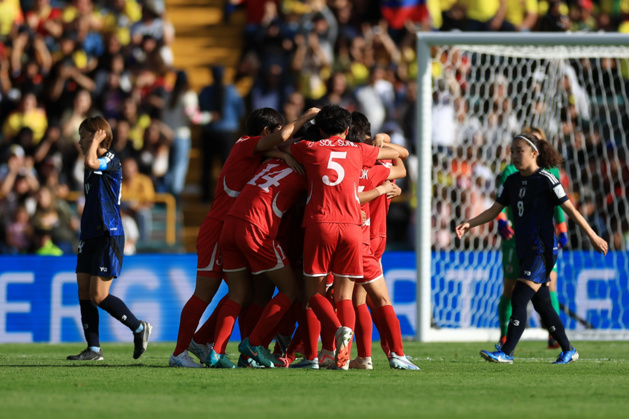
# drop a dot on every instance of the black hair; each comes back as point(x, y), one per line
point(360, 129)
point(333, 119)
point(261, 118)
point(312, 133)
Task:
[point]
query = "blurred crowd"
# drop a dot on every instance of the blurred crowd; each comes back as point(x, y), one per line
point(63, 61)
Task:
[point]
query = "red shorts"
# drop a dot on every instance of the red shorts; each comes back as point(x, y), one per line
point(378, 245)
point(244, 245)
point(333, 248)
point(209, 259)
point(372, 269)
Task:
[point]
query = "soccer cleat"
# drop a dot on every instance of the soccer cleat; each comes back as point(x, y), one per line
point(183, 360)
point(552, 343)
point(307, 364)
point(343, 338)
point(215, 360)
point(200, 350)
point(326, 358)
point(360, 363)
point(567, 357)
point(261, 354)
point(498, 357)
point(246, 362)
point(141, 339)
point(87, 355)
point(401, 362)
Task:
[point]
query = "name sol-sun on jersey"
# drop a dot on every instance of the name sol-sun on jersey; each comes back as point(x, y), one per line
point(332, 143)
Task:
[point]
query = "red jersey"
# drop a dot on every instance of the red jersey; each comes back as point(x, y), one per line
point(333, 167)
point(370, 179)
point(239, 168)
point(272, 191)
point(378, 209)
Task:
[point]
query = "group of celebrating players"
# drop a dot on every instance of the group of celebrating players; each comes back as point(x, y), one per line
point(300, 207)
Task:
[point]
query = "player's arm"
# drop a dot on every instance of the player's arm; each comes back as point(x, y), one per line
point(402, 151)
point(398, 170)
point(287, 157)
point(92, 156)
point(269, 141)
point(484, 217)
point(385, 188)
point(597, 242)
point(387, 153)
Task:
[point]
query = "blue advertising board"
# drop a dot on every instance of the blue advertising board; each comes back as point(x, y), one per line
point(38, 295)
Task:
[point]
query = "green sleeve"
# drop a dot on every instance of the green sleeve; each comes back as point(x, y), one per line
point(559, 215)
point(508, 171)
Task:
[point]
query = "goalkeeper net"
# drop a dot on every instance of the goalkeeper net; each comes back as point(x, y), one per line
point(476, 91)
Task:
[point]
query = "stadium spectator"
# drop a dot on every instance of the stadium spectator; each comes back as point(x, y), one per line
point(138, 192)
point(180, 111)
point(218, 136)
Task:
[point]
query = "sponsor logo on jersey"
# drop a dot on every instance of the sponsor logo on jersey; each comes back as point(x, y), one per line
point(522, 192)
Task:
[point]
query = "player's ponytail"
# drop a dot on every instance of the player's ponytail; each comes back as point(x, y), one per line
point(548, 157)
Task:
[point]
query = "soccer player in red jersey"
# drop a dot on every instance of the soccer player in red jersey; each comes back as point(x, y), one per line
point(332, 220)
point(373, 283)
point(264, 132)
point(249, 246)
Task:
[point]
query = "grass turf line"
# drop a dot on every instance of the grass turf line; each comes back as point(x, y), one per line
point(37, 381)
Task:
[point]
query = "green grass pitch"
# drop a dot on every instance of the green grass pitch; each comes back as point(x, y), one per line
point(37, 382)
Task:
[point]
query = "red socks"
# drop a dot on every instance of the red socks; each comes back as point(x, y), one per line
point(189, 320)
point(391, 328)
point(225, 324)
point(270, 317)
point(206, 333)
point(364, 330)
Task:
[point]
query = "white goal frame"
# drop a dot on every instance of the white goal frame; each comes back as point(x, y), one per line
point(425, 332)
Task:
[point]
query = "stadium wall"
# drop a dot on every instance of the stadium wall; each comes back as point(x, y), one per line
point(38, 300)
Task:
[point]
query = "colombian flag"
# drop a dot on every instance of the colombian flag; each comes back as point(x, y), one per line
point(396, 12)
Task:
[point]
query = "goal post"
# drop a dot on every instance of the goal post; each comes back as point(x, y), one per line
point(475, 91)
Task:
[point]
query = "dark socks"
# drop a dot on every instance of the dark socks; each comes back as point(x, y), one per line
point(522, 294)
point(119, 310)
point(543, 305)
point(89, 318)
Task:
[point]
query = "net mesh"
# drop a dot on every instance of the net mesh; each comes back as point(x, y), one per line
point(482, 97)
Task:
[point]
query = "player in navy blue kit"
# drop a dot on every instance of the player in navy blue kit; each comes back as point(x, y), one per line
point(532, 193)
point(101, 241)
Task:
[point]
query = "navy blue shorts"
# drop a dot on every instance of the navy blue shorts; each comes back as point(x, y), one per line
point(537, 268)
point(101, 256)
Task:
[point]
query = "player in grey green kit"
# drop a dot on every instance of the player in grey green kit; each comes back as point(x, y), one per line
point(510, 265)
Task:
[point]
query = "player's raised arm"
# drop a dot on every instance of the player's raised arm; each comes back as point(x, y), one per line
point(600, 245)
point(484, 217)
point(272, 139)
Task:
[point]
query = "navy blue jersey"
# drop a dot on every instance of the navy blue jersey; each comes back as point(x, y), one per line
point(101, 214)
point(532, 200)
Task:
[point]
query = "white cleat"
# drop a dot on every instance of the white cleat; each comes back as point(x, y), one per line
point(183, 360)
point(401, 363)
point(343, 338)
point(360, 363)
point(326, 358)
point(200, 350)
